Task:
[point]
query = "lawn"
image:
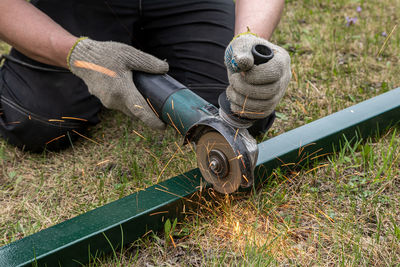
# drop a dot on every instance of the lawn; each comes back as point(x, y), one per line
point(343, 212)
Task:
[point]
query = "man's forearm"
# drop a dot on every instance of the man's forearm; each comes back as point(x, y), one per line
point(261, 16)
point(33, 33)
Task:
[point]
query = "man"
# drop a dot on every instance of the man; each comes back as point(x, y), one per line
point(63, 65)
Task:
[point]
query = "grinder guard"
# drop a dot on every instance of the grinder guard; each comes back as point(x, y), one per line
point(192, 117)
point(241, 142)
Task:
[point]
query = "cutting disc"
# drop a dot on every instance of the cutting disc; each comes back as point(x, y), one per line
point(218, 163)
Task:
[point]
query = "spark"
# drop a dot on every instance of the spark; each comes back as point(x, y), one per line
point(163, 186)
point(180, 150)
point(13, 122)
point(244, 165)
point(316, 168)
point(87, 138)
point(55, 120)
point(151, 106)
point(325, 215)
point(151, 154)
point(301, 149)
point(190, 145)
point(301, 107)
point(314, 87)
point(160, 212)
point(251, 112)
point(102, 162)
point(166, 165)
point(179, 117)
point(139, 134)
point(241, 158)
point(173, 124)
point(95, 67)
point(295, 75)
point(148, 232)
point(54, 139)
point(237, 227)
point(305, 156)
point(236, 134)
point(237, 157)
point(168, 192)
point(173, 242)
point(73, 118)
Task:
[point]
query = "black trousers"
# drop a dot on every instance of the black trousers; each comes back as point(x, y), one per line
point(45, 109)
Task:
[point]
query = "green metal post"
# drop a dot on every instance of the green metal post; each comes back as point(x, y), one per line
point(325, 135)
point(71, 242)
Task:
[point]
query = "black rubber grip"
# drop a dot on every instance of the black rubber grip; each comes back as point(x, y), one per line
point(156, 88)
point(262, 54)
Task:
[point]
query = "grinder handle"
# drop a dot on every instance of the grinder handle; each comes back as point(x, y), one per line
point(156, 88)
point(261, 53)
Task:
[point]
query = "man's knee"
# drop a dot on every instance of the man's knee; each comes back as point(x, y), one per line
point(43, 109)
point(30, 132)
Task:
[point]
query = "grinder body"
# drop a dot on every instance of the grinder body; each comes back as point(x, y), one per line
point(232, 150)
point(173, 102)
point(226, 152)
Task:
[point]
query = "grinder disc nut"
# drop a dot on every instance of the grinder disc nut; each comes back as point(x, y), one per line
point(219, 164)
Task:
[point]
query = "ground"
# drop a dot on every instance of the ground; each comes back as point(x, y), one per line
point(343, 212)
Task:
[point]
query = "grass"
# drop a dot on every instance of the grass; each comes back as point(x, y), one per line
point(343, 212)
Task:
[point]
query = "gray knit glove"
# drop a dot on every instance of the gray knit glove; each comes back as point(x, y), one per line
point(255, 90)
point(106, 68)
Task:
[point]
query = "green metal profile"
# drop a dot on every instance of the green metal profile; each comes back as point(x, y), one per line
point(70, 243)
point(325, 135)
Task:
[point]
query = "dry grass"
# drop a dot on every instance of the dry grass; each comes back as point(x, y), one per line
point(345, 212)
point(40, 190)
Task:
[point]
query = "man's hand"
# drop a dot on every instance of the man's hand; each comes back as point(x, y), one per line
point(106, 68)
point(255, 90)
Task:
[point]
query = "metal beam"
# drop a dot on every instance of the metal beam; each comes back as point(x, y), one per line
point(325, 135)
point(125, 220)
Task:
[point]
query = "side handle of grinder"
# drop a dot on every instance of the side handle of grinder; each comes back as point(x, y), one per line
point(261, 54)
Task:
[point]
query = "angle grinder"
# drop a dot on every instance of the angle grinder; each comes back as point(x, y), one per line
point(226, 152)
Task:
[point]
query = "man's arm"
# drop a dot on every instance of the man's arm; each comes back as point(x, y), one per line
point(105, 67)
point(261, 16)
point(255, 90)
point(33, 33)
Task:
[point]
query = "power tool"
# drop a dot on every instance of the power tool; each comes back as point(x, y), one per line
point(226, 152)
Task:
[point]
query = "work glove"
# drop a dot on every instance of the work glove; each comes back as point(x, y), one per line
point(106, 68)
point(255, 90)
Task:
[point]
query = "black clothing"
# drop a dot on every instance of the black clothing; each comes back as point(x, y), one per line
point(41, 109)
